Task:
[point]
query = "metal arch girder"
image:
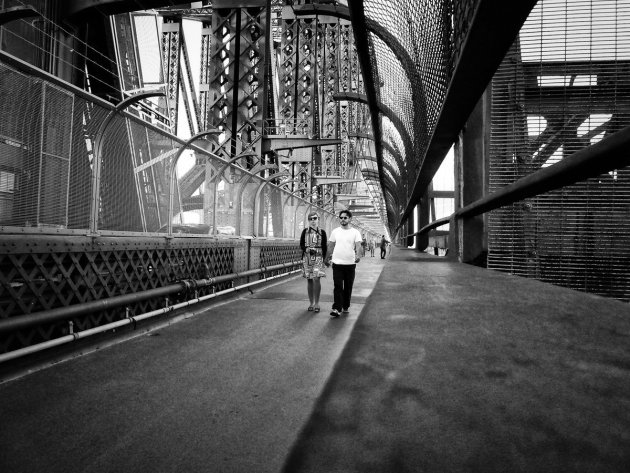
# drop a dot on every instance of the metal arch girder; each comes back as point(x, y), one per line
point(359, 27)
point(387, 166)
point(230, 162)
point(492, 31)
point(219, 175)
point(418, 95)
point(263, 183)
point(268, 180)
point(392, 171)
point(385, 110)
point(264, 167)
point(406, 62)
point(395, 153)
point(241, 188)
point(366, 136)
point(286, 182)
point(253, 171)
point(391, 190)
point(391, 210)
point(369, 174)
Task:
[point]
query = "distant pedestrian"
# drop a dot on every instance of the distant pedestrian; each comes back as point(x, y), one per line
point(314, 246)
point(371, 247)
point(344, 250)
point(363, 245)
point(384, 243)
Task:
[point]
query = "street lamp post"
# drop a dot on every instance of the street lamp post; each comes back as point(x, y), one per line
point(98, 150)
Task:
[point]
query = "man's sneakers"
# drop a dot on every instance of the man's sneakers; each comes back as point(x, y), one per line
point(335, 313)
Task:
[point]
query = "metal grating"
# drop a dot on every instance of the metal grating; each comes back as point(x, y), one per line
point(48, 272)
point(563, 86)
point(414, 47)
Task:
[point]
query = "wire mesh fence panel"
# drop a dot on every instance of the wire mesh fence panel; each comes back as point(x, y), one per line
point(563, 86)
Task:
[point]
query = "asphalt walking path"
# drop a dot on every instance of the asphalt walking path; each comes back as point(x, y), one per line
point(226, 390)
point(457, 369)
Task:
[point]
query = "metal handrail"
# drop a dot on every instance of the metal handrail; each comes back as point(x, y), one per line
point(613, 152)
point(65, 313)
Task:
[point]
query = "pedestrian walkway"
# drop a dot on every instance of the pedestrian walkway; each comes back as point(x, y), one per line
point(227, 390)
point(454, 368)
point(440, 367)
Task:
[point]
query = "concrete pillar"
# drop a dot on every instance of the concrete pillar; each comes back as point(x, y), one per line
point(410, 230)
point(471, 184)
point(423, 219)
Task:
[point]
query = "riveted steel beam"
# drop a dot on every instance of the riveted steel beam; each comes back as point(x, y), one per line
point(333, 180)
point(16, 13)
point(275, 144)
point(406, 62)
point(112, 7)
point(362, 41)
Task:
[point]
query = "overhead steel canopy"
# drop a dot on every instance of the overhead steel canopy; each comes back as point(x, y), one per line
point(403, 74)
point(426, 63)
point(113, 7)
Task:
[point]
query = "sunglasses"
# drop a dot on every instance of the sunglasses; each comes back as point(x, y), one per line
point(344, 218)
point(312, 218)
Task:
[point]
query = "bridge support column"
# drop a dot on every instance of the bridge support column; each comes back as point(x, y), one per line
point(410, 225)
point(423, 212)
point(470, 184)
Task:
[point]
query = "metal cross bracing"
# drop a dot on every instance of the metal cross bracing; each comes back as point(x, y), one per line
point(290, 133)
point(342, 76)
point(48, 272)
point(311, 73)
point(221, 92)
point(245, 194)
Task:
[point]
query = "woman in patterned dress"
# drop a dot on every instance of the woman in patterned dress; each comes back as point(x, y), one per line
point(314, 245)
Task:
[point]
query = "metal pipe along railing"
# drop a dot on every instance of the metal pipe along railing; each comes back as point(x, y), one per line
point(612, 152)
point(80, 309)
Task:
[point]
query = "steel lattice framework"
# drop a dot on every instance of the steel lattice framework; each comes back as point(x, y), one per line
point(327, 105)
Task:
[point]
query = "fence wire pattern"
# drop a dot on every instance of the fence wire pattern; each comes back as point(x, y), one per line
point(47, 175)
point(415, 43)
point(563, 86)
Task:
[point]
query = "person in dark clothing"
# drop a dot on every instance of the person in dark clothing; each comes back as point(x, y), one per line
point(384, 243)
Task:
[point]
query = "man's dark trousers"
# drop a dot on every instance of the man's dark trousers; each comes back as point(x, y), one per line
point(343, 279)
point(383, 252)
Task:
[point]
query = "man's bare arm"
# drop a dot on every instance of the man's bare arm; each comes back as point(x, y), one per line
point(329, 251)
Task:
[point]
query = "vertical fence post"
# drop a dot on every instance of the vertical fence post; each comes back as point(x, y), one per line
point(171, 185)
point(98, 152)
point(217, 179)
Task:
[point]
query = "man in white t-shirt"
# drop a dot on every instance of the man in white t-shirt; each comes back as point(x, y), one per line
point(344, 250)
